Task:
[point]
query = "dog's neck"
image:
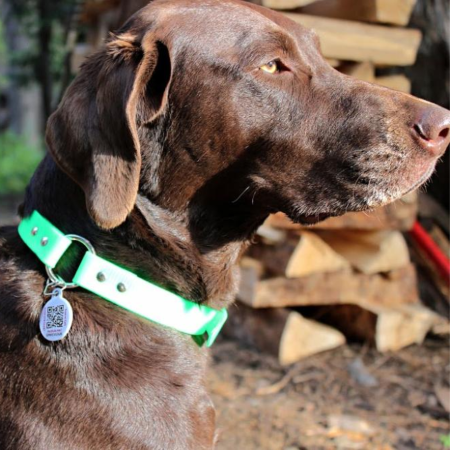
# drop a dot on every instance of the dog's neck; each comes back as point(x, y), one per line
point(194, 254)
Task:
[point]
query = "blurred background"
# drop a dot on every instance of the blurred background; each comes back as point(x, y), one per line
point(339, 336)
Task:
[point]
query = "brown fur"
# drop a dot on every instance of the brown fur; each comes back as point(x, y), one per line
point(167, 152)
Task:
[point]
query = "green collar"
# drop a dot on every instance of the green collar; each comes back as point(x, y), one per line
point(119, 286)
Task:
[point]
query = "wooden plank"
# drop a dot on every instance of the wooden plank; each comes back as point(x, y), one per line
point(283, 333)
point(396, 287)
point(286, 4)
point(399, 215)
point(396, 82)
point(354, 41)
point(396, 12)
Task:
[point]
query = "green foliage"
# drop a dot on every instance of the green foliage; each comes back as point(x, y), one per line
point(18, 160)
point(45, 24)
point(445, 439)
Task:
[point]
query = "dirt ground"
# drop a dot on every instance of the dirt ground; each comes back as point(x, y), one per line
point(348, 398)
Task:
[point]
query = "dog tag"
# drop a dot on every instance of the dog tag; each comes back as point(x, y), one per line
point(56, 317)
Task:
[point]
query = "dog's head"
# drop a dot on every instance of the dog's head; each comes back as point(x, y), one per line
point(225, 102)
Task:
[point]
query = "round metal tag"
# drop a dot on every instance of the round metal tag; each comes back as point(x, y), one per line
point(56, 317)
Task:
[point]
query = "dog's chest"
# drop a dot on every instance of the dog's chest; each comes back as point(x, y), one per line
point(114, 382)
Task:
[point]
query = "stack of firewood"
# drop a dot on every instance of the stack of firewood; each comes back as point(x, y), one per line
point(305, 290)
point(309, 290)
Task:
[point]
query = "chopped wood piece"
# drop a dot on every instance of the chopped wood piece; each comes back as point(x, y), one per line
point(302, 337)
point(271, 235)
point(389, 328)
point(281, 332)
point(312, 255)
point(399, 215)
point(396, 82)
point(401, 326)
point(297, 257)
point(364, 71)
point(369, 251)
point(286, 4)
point(397, 287)
point(396, 12)
point(353, 41)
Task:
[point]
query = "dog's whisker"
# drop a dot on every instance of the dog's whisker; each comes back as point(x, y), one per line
point(241, 194)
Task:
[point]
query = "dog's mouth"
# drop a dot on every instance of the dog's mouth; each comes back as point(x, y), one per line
point(423, 179)
point(380, 195)
point(311, 220)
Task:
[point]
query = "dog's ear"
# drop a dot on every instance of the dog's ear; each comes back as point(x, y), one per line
point(93, 135)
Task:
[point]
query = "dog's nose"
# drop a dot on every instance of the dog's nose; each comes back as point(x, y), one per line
point(432, 130)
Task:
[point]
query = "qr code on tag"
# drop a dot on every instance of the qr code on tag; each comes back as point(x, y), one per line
point(55, 316)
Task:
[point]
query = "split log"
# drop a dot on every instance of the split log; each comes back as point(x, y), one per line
point(353, 41)
point(280, 332)
point(270, 235)
point(313, 255)
point(396, 287)
point(396, 82)
point(395, 12)
point(389, 328)
point(369, 251)
point(399, 215)
point(297, 257)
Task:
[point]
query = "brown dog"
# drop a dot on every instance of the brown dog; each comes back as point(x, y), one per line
point(173, 144)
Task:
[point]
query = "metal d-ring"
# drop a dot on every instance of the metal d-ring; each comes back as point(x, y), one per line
point(58, 281)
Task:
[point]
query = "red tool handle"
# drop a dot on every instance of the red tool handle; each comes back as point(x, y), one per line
point(440, 260)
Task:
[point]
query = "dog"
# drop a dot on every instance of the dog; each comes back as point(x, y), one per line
point(173, 144)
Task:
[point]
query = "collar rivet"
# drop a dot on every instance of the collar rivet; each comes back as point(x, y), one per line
point(44, 241)
point(34, 231)
point(101, 277)
point(121, 287)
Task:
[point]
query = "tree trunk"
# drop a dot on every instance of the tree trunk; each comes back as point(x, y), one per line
point(43, 64)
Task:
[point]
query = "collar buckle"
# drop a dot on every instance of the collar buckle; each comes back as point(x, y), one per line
point(56, 280)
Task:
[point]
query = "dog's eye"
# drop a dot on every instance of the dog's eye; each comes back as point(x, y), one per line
point(271, 67)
